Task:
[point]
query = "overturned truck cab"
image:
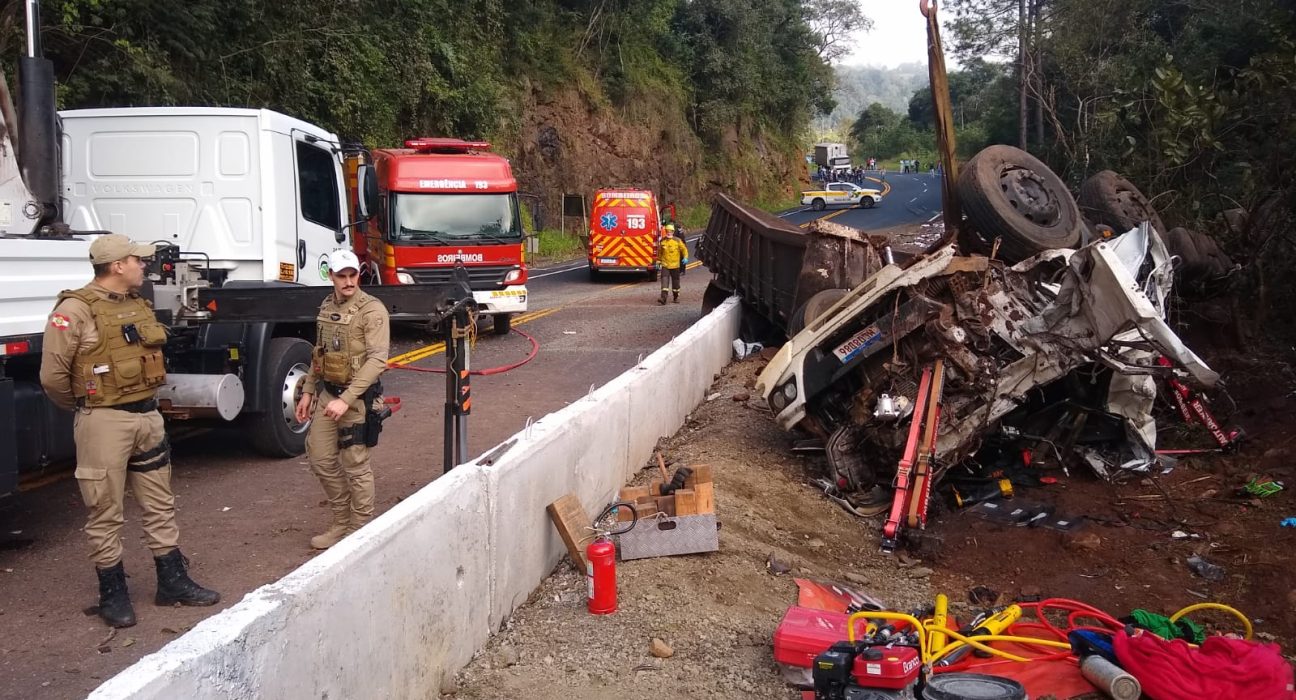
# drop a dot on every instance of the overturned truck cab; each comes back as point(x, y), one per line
point(1065, 348)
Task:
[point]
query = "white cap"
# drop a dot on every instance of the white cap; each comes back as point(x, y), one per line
point(342, 259)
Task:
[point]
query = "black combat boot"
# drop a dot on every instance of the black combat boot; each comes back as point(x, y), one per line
point(662, 300)
point(114, 600)
point(175, 586)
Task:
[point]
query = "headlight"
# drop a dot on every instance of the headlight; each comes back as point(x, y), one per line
point(790, 390)
point(777, 401)
point(513, 275)
point(404, 278)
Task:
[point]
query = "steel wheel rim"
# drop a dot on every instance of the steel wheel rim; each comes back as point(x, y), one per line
point(1029, 196)
point(291, 395)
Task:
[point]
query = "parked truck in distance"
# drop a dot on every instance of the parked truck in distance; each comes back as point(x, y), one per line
point(442, 202)
point(824, 153)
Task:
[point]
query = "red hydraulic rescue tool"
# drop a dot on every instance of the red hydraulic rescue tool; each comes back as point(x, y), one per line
point(914, 473)
point(1194, 410)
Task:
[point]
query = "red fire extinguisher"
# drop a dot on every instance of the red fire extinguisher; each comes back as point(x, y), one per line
point(600, 562)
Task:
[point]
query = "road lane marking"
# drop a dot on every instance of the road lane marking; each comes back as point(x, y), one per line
point(429, 350)
point(554, 272)
point(521, 319)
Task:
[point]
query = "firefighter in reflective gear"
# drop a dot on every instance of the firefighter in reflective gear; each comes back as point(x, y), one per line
point(102, 358)
point(672, 256)
point(354, 333)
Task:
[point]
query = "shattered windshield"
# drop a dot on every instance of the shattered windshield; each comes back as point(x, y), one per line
point(446, 218)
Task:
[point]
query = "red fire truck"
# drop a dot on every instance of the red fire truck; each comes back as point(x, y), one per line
point(442, 201)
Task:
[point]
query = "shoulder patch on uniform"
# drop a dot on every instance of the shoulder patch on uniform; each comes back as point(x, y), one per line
point(60, 321)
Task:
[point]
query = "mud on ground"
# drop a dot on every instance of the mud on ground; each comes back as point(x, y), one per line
point(719, 611)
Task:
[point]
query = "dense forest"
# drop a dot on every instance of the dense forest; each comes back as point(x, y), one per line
point(721, 89)
point(1193, 100)
point(857, 87)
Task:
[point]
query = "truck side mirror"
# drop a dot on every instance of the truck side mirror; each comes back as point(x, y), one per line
point(367, 196)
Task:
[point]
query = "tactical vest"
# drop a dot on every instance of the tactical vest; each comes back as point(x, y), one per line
point(116, 370)
point(340, 344)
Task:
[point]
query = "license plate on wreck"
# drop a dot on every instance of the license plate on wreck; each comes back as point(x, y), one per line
point(607, 261)
point(858, 343)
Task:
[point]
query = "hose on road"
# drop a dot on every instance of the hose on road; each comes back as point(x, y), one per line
point(535, 348)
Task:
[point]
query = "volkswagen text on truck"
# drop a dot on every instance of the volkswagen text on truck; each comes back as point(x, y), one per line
point(624, 232)
point(445, 201)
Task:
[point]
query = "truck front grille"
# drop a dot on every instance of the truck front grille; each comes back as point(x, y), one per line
point(485, 277)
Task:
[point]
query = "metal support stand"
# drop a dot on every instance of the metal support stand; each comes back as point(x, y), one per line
point(458, 390)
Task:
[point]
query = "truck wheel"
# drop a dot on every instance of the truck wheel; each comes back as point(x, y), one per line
point(652, 275)
point(818, 204)
point(501, 324)
point(1009, 194)
point(1108, 198)
point(593, 274)
point(714, 296)
point(276, 432)
point(814, 307)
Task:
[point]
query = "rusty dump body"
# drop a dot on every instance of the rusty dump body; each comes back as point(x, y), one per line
point(776, 267)
point(1062, 347)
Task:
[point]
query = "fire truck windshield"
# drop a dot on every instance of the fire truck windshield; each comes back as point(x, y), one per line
point(445, 218)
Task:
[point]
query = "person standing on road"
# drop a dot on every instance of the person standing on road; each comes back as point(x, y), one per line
point(672, 256)
point(102, 358)
point(340, 396)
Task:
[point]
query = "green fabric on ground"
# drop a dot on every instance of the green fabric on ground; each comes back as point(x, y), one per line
point(1161, 626)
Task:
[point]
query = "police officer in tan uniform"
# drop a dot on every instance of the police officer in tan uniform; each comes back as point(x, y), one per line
point(102, 358)
point(354, 333)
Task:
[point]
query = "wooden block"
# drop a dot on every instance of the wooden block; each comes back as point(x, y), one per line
point(573, 526)
point(643, 509)
point(654, 488)
point(701, 474)
point(633, 493)
point(705, 498)
point(666, 504)
point(685, 502)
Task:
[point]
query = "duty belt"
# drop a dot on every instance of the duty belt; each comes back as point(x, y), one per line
point(141, 406)
point(334, 389)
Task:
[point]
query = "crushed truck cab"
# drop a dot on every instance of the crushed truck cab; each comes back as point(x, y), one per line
point(1005, 335)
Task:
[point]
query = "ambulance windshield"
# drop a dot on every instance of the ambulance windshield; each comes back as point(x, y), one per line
point(446, 218)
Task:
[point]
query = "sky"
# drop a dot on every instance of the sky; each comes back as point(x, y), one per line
point(899, 35)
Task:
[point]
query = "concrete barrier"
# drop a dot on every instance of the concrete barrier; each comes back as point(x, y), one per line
point(395, 608)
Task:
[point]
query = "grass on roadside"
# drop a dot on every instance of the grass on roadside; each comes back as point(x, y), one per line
point(556, 245)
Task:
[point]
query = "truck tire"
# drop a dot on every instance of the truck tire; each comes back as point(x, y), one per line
point(1008, 193)
point(818, 204)
point(593, 274)
point(276, 432)
point(714, 296)
point(501, 324)
point(814, 307)
point(653, 274)
point(1107, 198)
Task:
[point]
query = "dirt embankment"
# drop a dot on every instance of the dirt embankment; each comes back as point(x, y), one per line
point(719, 611)
point(569, 140)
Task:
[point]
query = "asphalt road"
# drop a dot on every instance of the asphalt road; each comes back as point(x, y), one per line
point(908, 200)
point(246, 520)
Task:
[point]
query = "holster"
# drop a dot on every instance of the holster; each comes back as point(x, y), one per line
point(376, 411)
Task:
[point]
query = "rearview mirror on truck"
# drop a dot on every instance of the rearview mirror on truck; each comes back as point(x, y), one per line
point(368, 193)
